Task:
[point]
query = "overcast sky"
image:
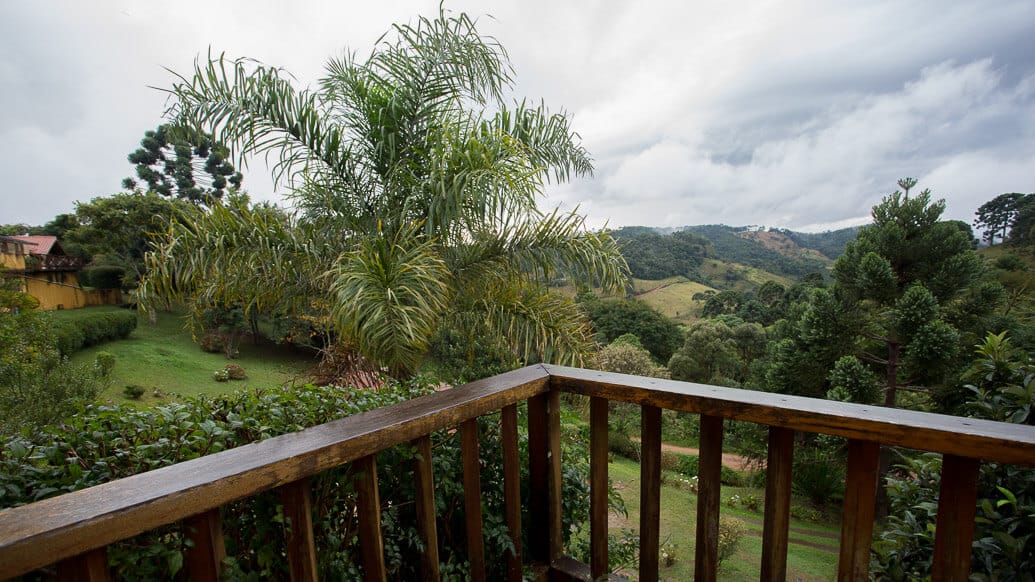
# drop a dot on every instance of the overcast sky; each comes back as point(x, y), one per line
point(780, 113)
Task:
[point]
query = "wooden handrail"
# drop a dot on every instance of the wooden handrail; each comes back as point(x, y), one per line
point(33, 536)
point(953, 435)
point(73, 529)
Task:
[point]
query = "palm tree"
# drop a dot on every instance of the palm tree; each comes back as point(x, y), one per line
point(416, 189)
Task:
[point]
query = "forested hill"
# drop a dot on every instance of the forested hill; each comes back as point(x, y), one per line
point(657, 254)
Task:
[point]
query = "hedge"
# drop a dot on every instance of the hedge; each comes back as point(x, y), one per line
point(73, 335)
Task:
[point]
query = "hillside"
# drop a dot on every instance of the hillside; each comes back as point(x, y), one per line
point(750, 248)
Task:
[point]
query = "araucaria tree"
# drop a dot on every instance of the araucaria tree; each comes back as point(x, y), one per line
point(171, 160)
point(416, 186)
point(897, 282)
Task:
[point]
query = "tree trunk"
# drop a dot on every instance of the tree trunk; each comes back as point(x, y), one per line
point(882, 505)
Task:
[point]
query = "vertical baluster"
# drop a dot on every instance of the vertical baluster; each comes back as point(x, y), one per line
point(709, 471)
point(206, 554)
point(512, 488)
point(369, 507)
point(777, 504)
point(538, 477)
point(553, 433)
point(426, 521)
point(598, 486)
point(473, 498)
point(89, 566)
point(650, 491)
point(858, 513)
point(301, 548)
point(954, 531)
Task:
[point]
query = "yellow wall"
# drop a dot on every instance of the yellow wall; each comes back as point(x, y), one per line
point(57, 290)
point(12, 260)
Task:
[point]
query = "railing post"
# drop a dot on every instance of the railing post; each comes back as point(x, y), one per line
point(709, 473)
point(538, 478)
point(957, 508)
point(858, 512)
point(301, 548)
point(512, 488)
point(369, 505)
point(473, 498)
point(777, 504)
point(206, 553)
point(91, 566)
point(650, 491)
point(424, 490)
point(598, 487)
point(544, 452)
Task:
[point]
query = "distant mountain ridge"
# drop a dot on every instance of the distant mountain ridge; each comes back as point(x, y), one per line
point(658, 253)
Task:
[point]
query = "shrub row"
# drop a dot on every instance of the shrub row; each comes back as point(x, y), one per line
point(107, 442)
point(73, 335)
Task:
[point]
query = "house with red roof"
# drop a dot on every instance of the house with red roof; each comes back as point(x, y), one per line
point(47, 272)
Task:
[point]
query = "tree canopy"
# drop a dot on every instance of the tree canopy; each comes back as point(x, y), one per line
point(171, 160)
point(416, 186)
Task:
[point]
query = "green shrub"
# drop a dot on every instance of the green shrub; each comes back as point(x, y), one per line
point(669, 461)
point(221, 375)
point(90, 329)
point(731, 531)
point(819, 475)
point(104, 362)
point(689, 465)
point(212, 343)
point(235, 372)
point(620, 444)
point(78, 454)
point(133, 391)
point(102, 277)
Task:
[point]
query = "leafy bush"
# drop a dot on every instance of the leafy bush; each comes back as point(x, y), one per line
point(235, 372)
point(104, 363)
point(1004, 537)
point(221, 375)
point(731, 531)
point(623, 550)
point(620, 444)
point(669, 461)
point(80, 453)
point(37, 384)
point(133, 391)
point(819, 475)
point(90, 329)
point(212, 343)
point(102, 277)
point(689, 466)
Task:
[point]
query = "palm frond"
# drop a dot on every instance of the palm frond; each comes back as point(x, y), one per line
point(389, 294)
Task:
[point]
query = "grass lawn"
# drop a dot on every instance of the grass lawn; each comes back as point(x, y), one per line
point(678, 523)
point(162, 356)
point(672, 297)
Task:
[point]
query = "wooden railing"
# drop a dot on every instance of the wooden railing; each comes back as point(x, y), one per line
point(73, 530)
point(53, 263)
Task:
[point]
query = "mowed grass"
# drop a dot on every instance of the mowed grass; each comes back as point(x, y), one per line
point(679, 522)
point(162, 356)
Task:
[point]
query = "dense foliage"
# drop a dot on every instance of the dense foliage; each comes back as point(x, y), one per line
point(830, 243)
point(1004, 540)
point(727, 245)
point(654, 256)
point(38, 385)
point(108, 442)
point(612, 318)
